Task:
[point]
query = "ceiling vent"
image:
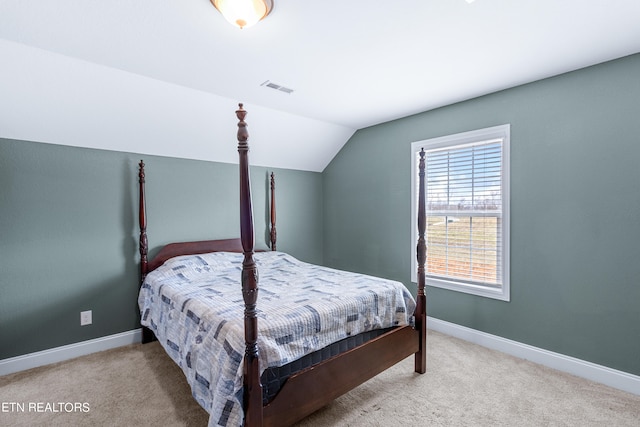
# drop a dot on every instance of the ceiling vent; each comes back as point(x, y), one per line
point(276, 86)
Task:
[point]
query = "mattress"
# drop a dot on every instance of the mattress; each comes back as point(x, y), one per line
point(194, 305)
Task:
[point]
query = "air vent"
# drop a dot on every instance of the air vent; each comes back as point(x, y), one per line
point(276, 86)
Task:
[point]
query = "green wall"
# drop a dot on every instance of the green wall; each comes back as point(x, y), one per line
point(575, 205)
point(69, 230)
point(68, 220)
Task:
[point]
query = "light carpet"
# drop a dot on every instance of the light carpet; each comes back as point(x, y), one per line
point(465, 385)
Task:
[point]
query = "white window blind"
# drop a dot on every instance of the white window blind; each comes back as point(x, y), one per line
point(467, 207)
point(464, 212)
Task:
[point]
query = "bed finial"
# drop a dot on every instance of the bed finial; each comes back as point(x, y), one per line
point(273, 212)
point(243, 134)
point(252, 386)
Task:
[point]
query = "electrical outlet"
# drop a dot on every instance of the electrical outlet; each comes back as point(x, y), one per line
point(85, 318)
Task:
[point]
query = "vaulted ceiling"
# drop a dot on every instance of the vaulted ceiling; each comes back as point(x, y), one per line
point(165, 76)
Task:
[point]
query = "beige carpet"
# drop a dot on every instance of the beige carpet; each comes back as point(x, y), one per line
point(465, 385)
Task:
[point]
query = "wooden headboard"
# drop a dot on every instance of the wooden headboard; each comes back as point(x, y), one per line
point(189, 248)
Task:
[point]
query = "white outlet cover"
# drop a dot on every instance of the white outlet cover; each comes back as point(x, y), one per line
point(85, 318)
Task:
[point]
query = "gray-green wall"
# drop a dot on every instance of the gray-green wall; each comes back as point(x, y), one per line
point(68, 220)
point(575, 211)
point(69, 230)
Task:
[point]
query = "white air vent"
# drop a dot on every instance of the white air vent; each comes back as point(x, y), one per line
point(277, 87)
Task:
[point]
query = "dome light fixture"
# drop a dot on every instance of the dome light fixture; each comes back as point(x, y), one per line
point(243, 13)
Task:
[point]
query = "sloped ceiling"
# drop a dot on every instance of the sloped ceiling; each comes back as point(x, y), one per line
point(165, 76)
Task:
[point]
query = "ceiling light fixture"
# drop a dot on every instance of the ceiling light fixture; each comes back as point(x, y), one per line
point(243, 13)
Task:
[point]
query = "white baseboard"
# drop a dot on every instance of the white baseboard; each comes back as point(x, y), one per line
point(591, 371)
point(59, 354)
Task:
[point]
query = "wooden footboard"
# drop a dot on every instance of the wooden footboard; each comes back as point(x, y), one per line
point(311, 389)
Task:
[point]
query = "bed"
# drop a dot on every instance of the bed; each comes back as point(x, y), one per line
point(272, 354)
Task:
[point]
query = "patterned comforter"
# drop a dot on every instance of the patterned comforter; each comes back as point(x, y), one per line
point(194, 305)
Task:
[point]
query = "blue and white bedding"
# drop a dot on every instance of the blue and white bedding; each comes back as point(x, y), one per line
point(194, 305)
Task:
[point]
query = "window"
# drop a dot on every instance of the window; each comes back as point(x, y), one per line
point(467, 210)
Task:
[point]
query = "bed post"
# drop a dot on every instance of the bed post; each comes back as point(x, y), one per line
point(273, 212)
point(147, 335)
point(421, 306)
point(252, 387)
point(142, 219)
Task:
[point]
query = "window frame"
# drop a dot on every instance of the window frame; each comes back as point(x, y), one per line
point(451, 141)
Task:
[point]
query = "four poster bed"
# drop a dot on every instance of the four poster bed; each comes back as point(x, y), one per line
point(312, 335)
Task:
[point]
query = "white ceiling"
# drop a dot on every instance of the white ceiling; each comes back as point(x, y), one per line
point(164, 76)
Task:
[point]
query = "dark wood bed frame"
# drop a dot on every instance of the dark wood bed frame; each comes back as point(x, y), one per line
point(311, 389)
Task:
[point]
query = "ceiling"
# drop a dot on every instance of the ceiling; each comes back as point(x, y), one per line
point(164, 76)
